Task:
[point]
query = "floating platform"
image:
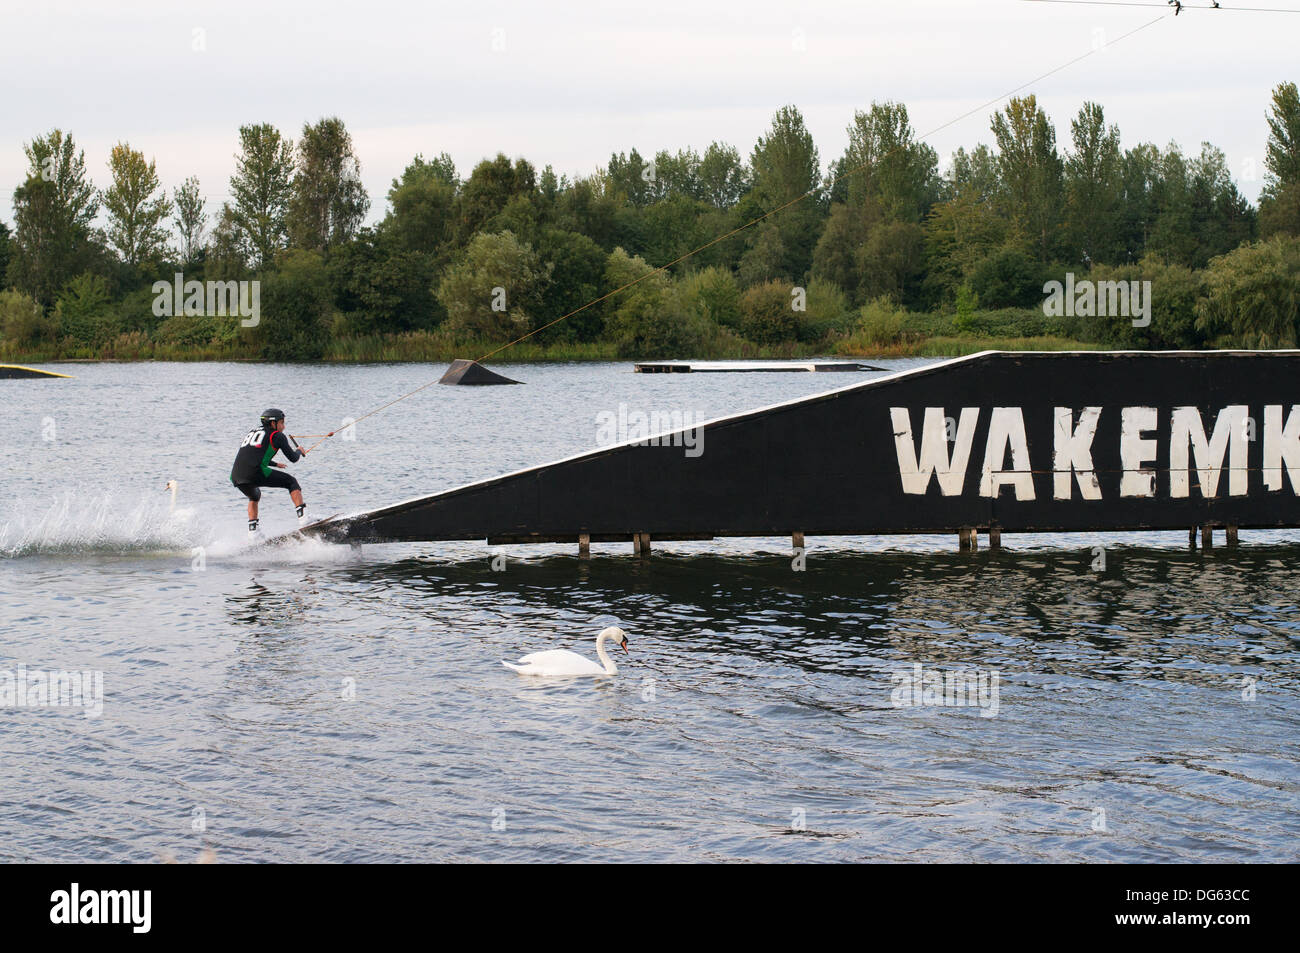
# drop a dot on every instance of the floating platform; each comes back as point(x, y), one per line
point(472, 372)
point(995, 442)
point(17, 371)
point(748, 367)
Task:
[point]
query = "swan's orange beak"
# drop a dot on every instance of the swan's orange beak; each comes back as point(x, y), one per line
point(623, 646)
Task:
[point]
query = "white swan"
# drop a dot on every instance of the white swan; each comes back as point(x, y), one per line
point(564, 662)
point(185, 512)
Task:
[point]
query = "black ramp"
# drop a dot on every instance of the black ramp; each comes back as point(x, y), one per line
point(472, 372)
point(1174, 439)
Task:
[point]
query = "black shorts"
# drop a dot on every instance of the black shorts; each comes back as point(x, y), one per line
point(275, 478)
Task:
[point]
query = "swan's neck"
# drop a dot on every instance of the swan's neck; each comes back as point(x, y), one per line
point(172, 508)
point(605, 660)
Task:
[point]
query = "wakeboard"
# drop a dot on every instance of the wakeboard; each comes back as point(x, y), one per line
point(296, 535)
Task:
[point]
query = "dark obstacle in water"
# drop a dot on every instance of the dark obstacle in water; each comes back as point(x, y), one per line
point(17, 371)
point(472, 372)
point(995, 442)
point(750, 367)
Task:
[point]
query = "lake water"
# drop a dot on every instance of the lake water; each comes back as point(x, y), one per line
point(314, 703)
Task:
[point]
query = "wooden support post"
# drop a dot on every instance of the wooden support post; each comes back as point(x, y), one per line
point(1231, 534)
point(797, 539)
point(995, 537)
point(1191, 538)
point(584, 545)
point(968, 539)
point(1207, 536)
point(641, 544)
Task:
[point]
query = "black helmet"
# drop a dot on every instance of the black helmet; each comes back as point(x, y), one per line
point(271, 415)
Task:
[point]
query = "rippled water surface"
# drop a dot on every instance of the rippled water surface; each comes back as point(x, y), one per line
point(314, 703)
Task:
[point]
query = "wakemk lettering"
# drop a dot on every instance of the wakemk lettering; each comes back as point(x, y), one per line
point(1189, 447)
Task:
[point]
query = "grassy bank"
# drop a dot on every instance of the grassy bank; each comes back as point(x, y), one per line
point(877, 330)
point(956, 345)
point(423, 347)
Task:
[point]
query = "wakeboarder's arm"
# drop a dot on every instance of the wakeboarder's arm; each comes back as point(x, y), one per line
point(282, 443)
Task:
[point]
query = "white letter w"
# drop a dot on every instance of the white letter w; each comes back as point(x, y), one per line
point(951, 473)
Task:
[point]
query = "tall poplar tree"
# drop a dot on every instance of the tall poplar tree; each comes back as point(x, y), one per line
point(1279, 204)
point(1094, 187)
point(261, 188)
point(137, 206)
point(785, 166)
point(191, 219)
point(54, 210)
point(329, 202)
point(1032, 173)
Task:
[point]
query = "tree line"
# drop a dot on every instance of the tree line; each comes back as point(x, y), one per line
point(878, 241)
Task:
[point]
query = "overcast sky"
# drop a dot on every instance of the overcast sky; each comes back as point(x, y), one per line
point(568, 83)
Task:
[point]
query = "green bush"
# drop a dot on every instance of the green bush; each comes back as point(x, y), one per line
point(828, 311)
point(649, 319)
point(967, 302)
point(295, 309)
point(1008, 278)
point(196, 331)
point(1252, 295)
point(891, 261)
point(880, 322)
point(494, 292)
point(382, 289)
point(767, 315)
point(84, 311)
point(1174, 292)
point(22, 322)
point(1009, 322)
point(714, 295)
point(135, 312)
point(577, 270)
